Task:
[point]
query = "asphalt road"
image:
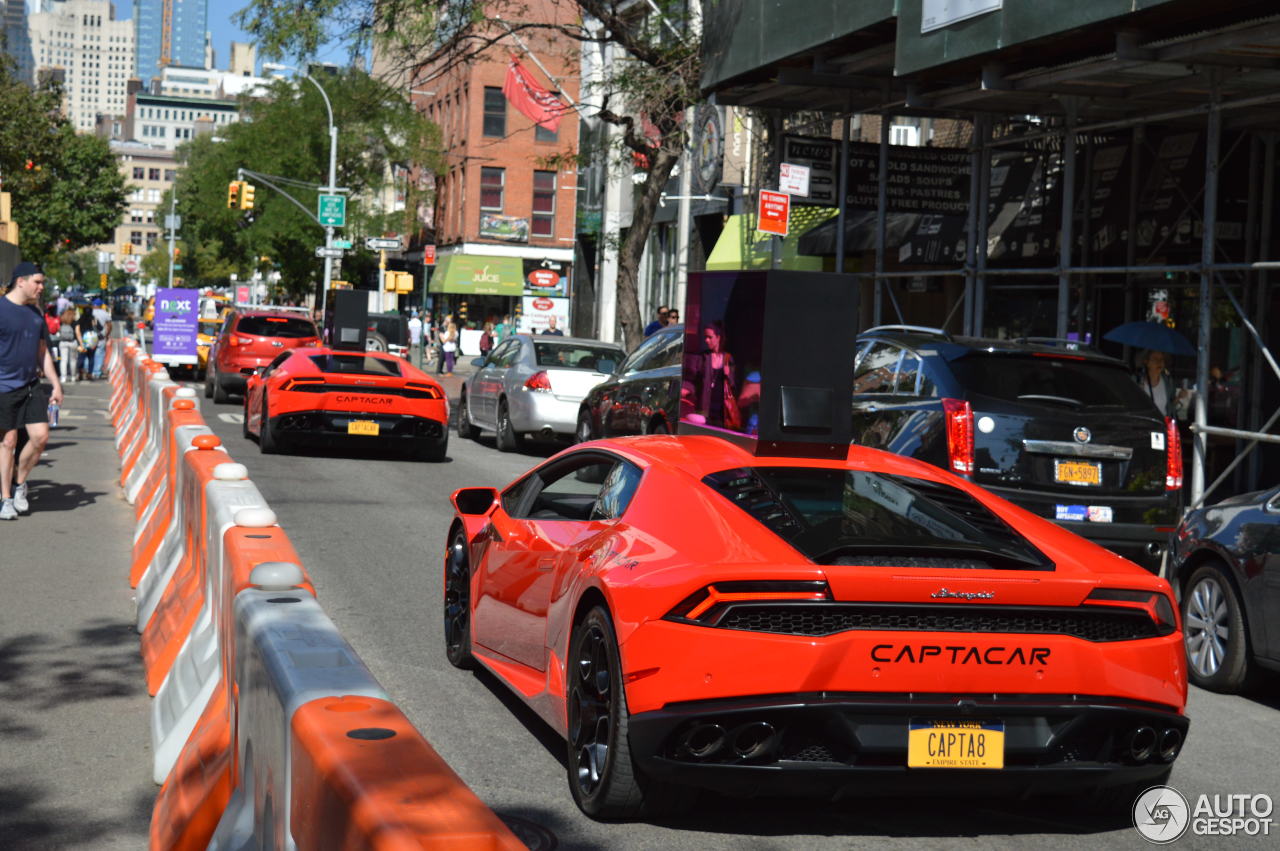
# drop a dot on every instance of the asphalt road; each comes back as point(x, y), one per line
point(370, 531)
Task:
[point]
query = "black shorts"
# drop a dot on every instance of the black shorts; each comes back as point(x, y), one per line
point(24, 406)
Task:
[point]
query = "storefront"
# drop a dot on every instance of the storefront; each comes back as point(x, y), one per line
point(480, 288)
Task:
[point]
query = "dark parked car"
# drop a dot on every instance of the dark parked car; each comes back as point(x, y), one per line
point(1227, 567)
point(643, 394)
point(1063, 432)
point(388, 332)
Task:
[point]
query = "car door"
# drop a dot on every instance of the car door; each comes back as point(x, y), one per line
point(1266, 522)
point(548, 518)
point(486, 387)
point(620, 416)
point(884, 394)
point(253, 408)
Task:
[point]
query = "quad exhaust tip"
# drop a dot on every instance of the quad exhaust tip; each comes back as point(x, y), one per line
point(1142, 744)
point(703, 741)
point(754, 740)
point(1170, 744)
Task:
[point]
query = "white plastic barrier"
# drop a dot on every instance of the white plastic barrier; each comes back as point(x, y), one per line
point(152, 432)
point(286, 653)
point(161, 494)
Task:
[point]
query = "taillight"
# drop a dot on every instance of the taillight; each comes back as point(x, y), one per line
point(539, 381)
point(959, 414)
point(1173, 455)
point(303, 384)
point(1157, 605)
point(429, 390)
point(707, 604)
point(236, 340)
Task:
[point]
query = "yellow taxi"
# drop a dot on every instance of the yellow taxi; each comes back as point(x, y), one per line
point(206, 333)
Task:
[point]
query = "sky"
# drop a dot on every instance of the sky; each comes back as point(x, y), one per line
point(224, 31)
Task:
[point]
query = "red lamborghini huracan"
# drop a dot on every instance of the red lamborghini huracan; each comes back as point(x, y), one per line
point(320, 395)
point(687, 614)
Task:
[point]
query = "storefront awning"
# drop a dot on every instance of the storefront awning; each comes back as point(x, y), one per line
point(741, 246)
point(472, 274)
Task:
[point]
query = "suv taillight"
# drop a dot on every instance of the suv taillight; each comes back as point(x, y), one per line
point(959, 414)
point(1173, 455)
point(539, 381)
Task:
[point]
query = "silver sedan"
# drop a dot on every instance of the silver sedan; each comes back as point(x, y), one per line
point(533, 385)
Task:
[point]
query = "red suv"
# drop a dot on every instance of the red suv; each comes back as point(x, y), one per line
point(250, 339)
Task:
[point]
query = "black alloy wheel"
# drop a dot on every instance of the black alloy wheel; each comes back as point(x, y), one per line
point(466, 429)
point(268, 443)
point(457, 603)
point(1213, 626)
point(605, 782)
point(507, 439)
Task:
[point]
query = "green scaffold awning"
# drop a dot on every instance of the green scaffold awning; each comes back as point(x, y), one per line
point(741, 246)
point(472, 274)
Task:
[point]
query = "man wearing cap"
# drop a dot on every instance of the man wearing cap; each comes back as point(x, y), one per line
point(23, 402)
point(104, 320)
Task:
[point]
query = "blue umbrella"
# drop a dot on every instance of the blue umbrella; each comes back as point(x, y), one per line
point(1151, 335)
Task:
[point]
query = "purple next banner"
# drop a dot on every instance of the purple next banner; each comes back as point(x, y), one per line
point(177, 317)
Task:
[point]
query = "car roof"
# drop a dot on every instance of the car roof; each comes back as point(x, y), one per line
point(567, 341)
point(268, 311)
point(952, 348)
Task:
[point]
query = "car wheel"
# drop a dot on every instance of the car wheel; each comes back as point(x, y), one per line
point(220, 395)
point(268, 443)
point(244, 421)
point(208, 383)
point(375, 342)
point(434, 450)
point(508, 440)
point(466, 429)
point(1213, 624)
point(457, 603)
point(605, 782)
point(583, 432)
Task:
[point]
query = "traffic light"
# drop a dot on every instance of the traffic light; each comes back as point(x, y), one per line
point(247, 191)
point(102, 281)
point(126, 248)
point(404, 282)
point(177, 252)
point(233, 194)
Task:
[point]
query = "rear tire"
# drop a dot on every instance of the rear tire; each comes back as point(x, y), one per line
point(375, 342)
point(457, 602)
point(466, 429)
point(1216, 634)
point(208, 383)
point(584, 432)
point(508, 440)
point(220, 395)
point(436, 450)
point(268, 443)
point(603, 778)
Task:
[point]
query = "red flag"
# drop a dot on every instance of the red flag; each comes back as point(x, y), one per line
point(541, 105)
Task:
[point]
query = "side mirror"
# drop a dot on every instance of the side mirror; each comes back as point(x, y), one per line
point(474, 501)
point(479, 362)
point(260, 371)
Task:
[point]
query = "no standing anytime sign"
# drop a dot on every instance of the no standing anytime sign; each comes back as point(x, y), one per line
point(774, 212)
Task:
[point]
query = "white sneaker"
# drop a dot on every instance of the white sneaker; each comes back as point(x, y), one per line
point(20, 503)
point(7, 511)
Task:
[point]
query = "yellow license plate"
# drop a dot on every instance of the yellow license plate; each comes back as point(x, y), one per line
point(955, 744)
point(367, 427)
point(1077, 472)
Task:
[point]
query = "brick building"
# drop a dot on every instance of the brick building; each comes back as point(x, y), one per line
point(506, 197)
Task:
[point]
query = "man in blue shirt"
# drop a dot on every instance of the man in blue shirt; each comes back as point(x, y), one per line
point(660, 322)
point(24, 352)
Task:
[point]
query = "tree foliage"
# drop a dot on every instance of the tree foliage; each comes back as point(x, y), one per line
point(67, 190)
point(649, 78)
point(285, 134)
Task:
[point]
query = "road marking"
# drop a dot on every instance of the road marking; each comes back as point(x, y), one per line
point(234, 419)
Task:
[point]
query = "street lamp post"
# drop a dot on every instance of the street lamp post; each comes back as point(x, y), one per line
point(333, 177)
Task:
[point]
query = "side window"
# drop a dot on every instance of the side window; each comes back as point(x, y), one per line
point(514, 496)
point(927, 385)
point(615, 495)
point(875, 374)
point(908, 374)
point(276, 364)
point(497, 355)
point(512, 355)
point(639, 359)
point(569, 489)
point(672, 352)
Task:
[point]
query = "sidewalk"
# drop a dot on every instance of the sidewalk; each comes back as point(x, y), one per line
point(75, 751)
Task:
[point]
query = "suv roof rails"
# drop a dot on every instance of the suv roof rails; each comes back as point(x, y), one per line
point(1073, 345)
point(914, 329)
point(288, 308)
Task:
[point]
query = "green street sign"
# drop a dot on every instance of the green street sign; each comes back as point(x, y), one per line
point(341, 243)
point(333, 211)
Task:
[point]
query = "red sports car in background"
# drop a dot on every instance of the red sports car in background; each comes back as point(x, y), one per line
point(321, 395)
point(687, 614)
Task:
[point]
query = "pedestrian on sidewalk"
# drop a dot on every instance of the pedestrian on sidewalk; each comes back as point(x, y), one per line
point(415, 340)
point(449, 345)
point(103, 319)
point(87, 334)
point(68, 348)
point(24, 403)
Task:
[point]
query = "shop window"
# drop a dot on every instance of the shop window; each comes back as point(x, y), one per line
point(544, 204)
point(542, 134)
point(492, 181)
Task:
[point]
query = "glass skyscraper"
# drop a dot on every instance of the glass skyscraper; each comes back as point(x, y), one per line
point(188, 21)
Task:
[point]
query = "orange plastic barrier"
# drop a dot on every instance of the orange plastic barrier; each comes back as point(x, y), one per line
point(136, 437)
point(184, 595)
point(192, 799)
point(363, 777)
point(149, 539)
